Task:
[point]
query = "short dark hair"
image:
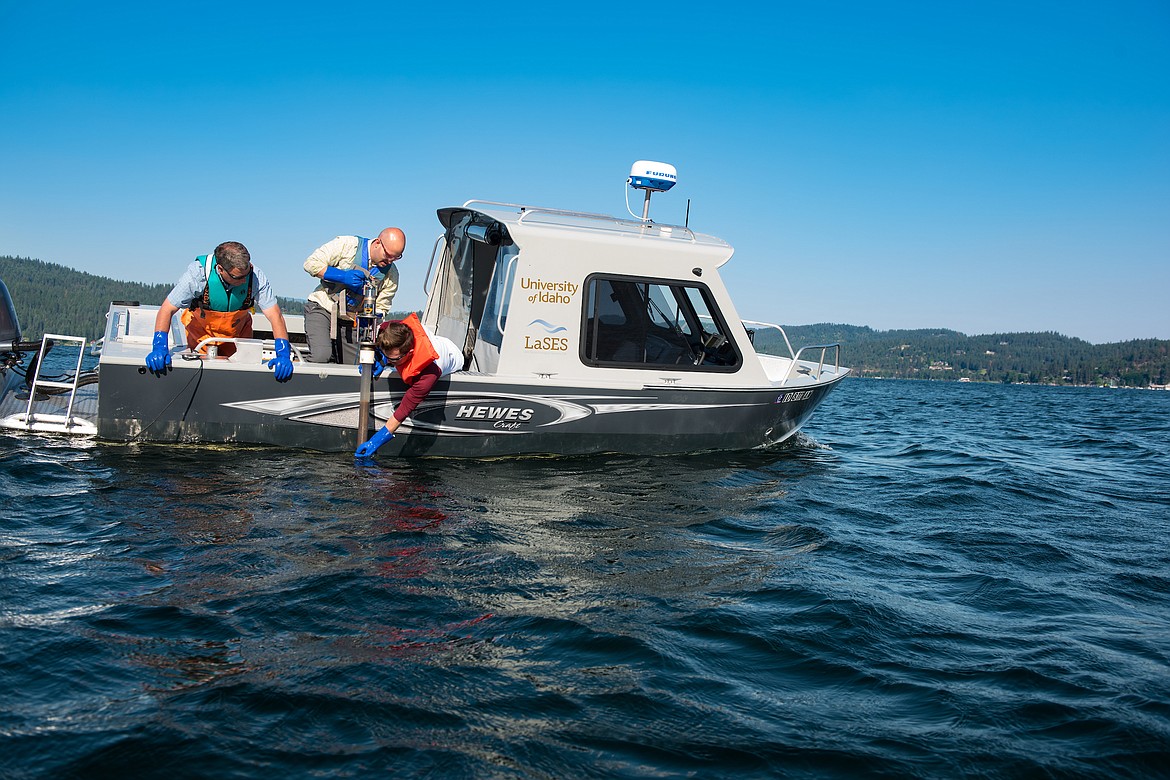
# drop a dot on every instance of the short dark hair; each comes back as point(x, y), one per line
point(396, 335)
point(233, 256)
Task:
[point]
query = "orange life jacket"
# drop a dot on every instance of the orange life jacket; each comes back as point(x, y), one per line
point(422, 354)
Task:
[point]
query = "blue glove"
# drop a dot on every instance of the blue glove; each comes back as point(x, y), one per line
point(354, 279)
point(368, 449)
point(379, 366)
point(159, 359)
point(282, 363)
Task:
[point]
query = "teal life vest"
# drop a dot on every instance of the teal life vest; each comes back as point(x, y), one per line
point(217, 296)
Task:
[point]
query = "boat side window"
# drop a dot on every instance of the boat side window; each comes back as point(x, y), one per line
point(630, 322)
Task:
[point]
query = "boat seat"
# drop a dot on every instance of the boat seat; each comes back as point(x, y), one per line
point(630, 344)
point(615, 343)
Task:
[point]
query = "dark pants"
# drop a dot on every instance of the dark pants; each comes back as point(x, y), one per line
point(322, 348)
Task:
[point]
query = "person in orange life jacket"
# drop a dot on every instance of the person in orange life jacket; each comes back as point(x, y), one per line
point(216, 294)
point(341, 265)
point(420, 358)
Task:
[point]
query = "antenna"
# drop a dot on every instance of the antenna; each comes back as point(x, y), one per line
point(652, 177)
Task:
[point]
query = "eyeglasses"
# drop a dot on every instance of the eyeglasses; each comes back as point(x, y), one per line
point(389, 257)
point(396, 360)
point(233, 277)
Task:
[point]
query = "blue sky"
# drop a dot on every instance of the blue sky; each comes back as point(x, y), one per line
point(980, 166)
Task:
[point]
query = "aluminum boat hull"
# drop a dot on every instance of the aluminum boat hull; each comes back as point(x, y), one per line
point(466, 415)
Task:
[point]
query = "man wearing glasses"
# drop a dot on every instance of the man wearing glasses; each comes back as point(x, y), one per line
point(216, 294)
point(343, 265)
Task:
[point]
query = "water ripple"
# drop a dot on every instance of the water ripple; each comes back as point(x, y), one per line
point(932, 580)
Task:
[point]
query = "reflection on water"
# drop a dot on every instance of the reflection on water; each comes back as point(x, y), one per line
point(600, 531)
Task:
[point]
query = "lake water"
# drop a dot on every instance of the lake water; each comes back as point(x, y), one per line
point(935, 580)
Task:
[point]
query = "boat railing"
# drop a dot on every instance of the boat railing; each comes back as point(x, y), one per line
point(795, 354)
point(523, 209)
point(430, 266)
point(824, 348)
point(583, 219)
point(757, 325)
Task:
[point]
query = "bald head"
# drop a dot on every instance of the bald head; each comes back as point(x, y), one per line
point(388, 246)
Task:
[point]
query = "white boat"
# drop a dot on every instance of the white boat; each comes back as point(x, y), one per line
point(582, 333)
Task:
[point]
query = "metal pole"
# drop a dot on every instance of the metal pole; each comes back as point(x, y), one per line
point(366, 323)
point(366, 361)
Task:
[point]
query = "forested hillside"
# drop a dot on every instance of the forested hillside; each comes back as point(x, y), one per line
point(1036, 358)
point(55, 299)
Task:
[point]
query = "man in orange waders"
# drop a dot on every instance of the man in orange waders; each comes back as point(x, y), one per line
point(217, 293)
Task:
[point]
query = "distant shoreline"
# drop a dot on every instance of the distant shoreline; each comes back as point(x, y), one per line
point(961, 381)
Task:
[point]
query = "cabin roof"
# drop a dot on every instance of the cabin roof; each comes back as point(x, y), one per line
point(521, 220)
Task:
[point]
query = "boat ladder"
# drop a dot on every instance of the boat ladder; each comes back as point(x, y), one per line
point(55, 423)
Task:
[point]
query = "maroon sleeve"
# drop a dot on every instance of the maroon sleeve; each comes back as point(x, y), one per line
point(417, 392)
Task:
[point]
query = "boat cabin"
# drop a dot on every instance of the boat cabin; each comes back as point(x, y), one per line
point(532, 291)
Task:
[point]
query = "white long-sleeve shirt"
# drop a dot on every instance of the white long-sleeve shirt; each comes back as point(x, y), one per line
point(342, 252)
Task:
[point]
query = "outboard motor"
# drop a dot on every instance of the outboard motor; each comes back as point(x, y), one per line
point(12, 349)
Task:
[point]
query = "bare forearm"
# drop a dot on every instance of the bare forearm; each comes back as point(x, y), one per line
point(276, 319)
point(162, 320)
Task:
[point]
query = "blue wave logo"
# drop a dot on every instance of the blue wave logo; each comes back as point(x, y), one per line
point(548, 326)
